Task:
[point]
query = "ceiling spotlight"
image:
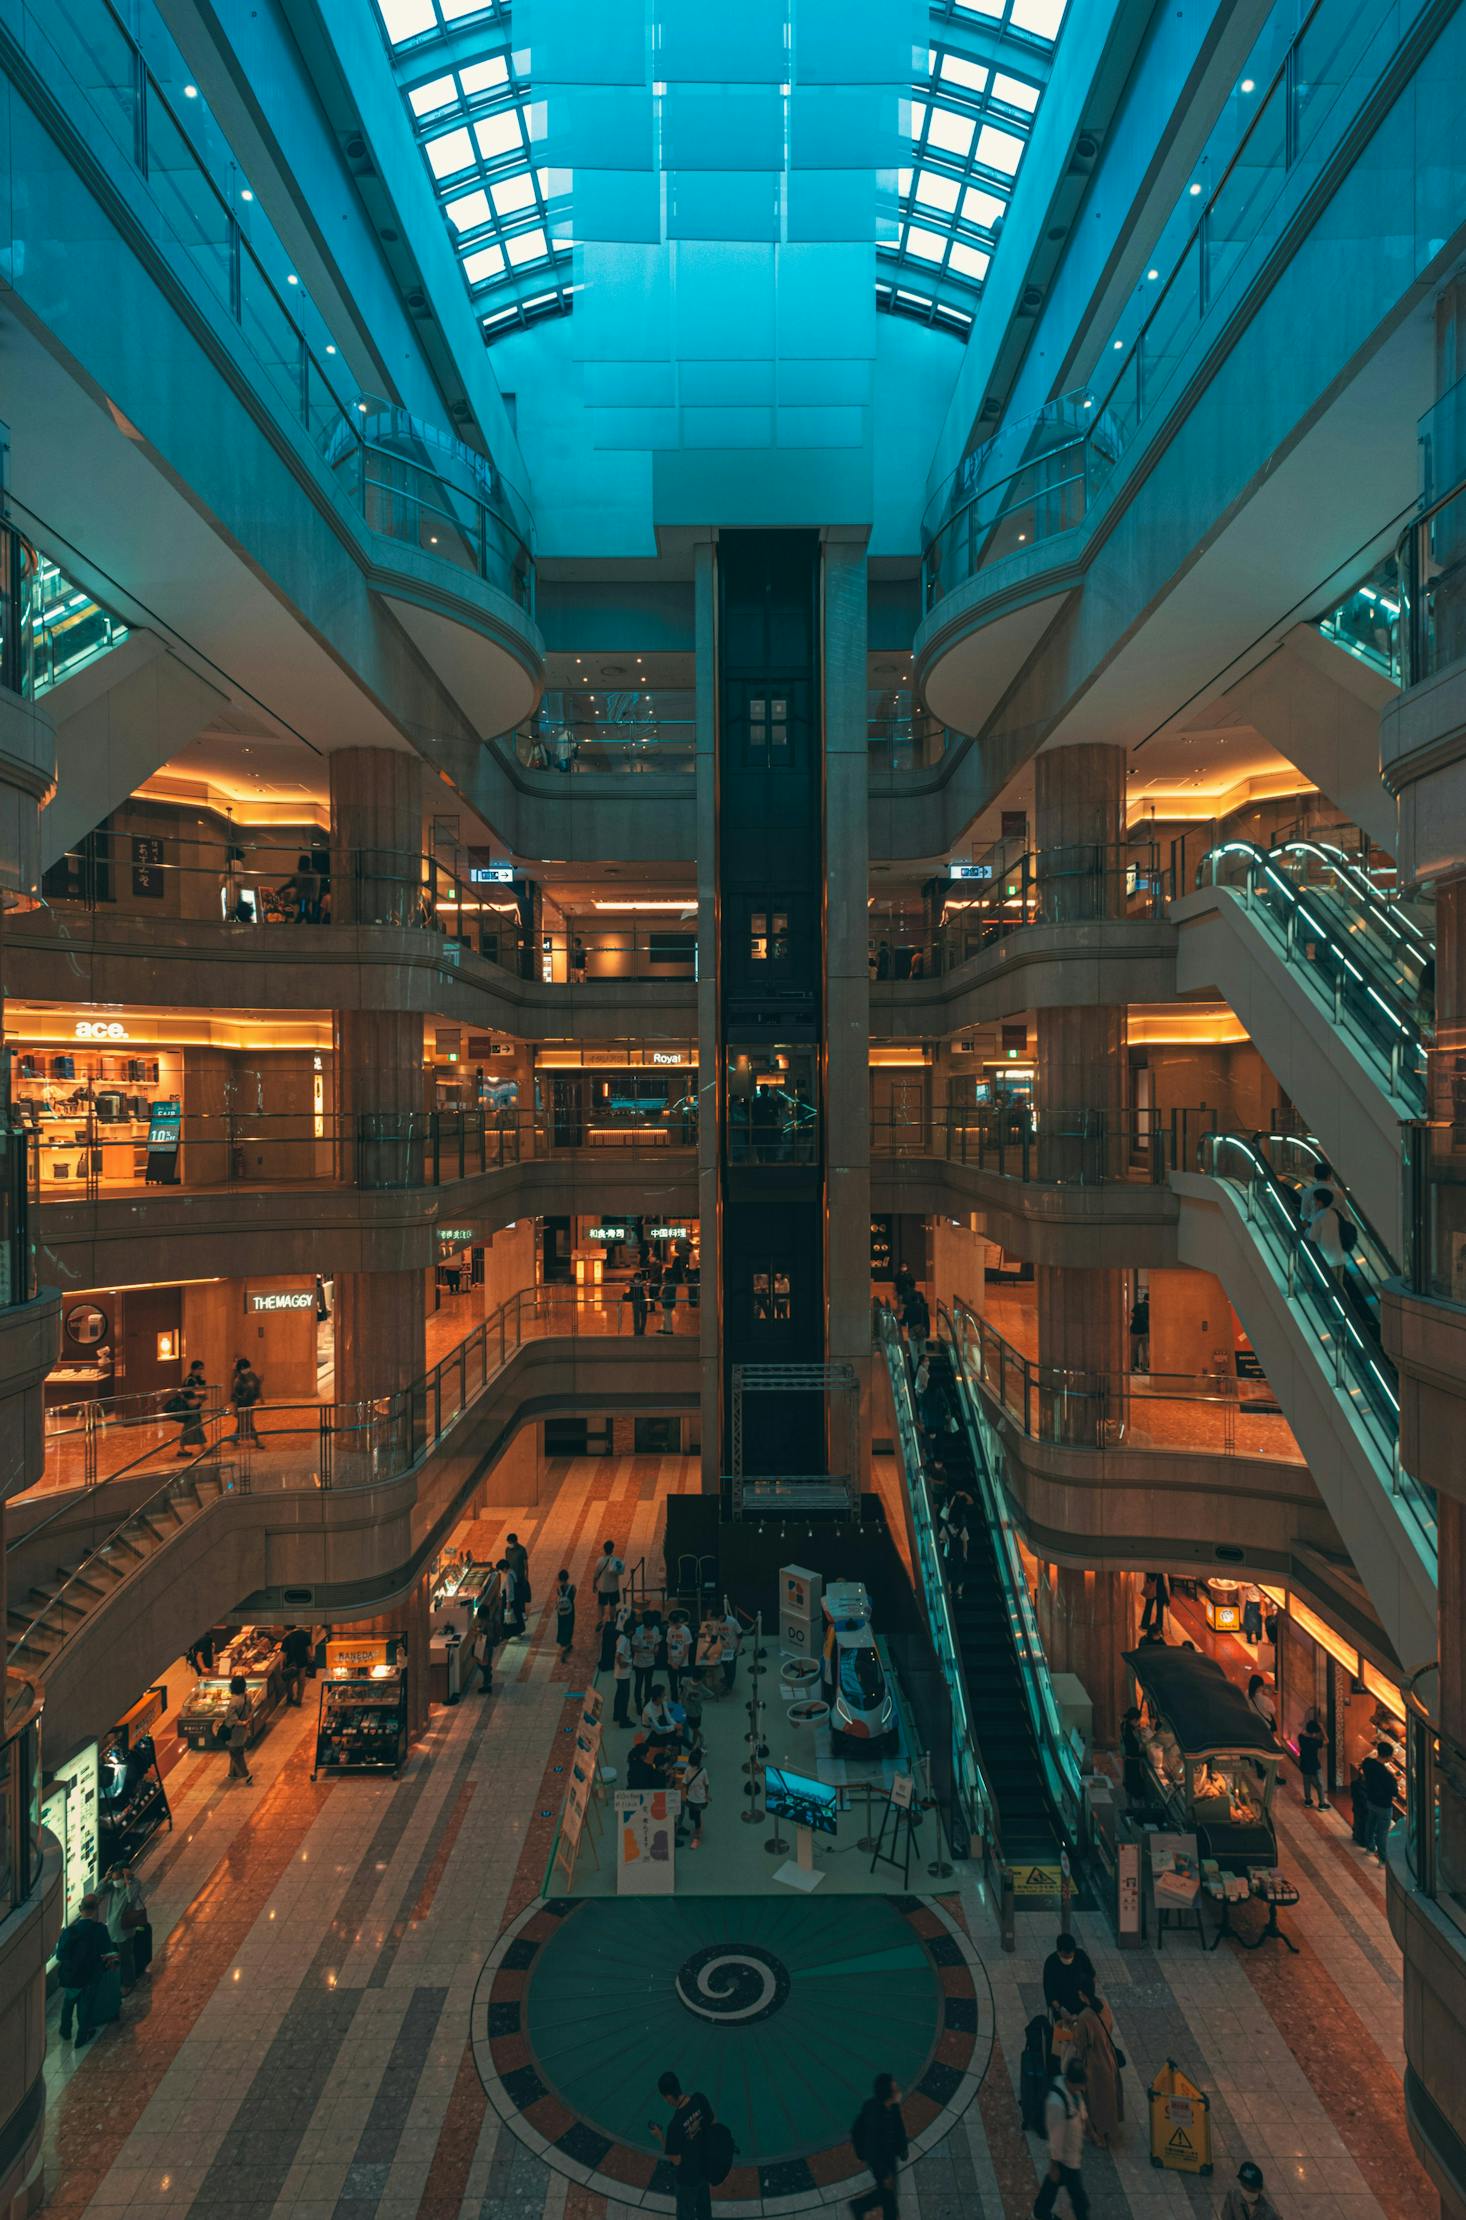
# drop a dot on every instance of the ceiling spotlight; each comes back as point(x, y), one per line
point(1152, 275)
point(246, 194)
point(292, 279)
point(1248, 85)
point(190, 92)
point(330, 350)
point(1193, 190)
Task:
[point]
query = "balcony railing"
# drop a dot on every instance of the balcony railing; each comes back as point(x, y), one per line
point(1096, 1148)
point(1435, 1796)
point(415, 485)
point(1043, 476)
point(1081, 884)
point(17, 1242)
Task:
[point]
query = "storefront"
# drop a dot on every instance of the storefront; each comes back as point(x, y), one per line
point(123, 1344)
point(617, 1098)
point(123, 1099)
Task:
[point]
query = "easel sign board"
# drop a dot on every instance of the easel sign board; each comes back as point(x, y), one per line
point(902, 1789)
point(646, 1841)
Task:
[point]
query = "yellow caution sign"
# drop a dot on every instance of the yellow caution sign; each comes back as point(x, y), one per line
point(1037, 1880)
point(1180, 2122)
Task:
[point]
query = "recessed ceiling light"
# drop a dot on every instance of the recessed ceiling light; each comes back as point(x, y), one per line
point(1152, 275)
point(292, 279)
point(190, 92)
point(1248, 85)
point(1193, 190)
point(330, 350)
point(246, 194)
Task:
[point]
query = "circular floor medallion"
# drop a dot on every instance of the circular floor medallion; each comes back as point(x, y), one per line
point(781, 2009)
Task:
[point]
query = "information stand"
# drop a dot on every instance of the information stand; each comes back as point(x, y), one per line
point(646, 1841)
point(580, 1819)
point(165, 1129)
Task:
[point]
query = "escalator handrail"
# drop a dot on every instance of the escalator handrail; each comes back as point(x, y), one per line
point(1056, 1754)
point(976, 1795)
point(1392, 915)
point(1410, 1044)
point(1410, 949)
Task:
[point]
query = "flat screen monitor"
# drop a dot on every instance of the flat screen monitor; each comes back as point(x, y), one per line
point(796, 1796)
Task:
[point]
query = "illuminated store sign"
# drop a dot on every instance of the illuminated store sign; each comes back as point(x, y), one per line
point(289, 1298)
point(667, 1233)
point(491, 874)
point(667, 1056)
point(609, 1233)
point(969, 870)
point(100, 1029)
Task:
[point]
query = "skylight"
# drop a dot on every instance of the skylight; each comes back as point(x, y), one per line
point(469, 105)
point(971, 119)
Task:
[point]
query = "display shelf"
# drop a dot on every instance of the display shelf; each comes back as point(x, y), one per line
point(363, 1722)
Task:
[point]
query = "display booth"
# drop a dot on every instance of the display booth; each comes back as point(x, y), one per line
point(1214, 1763)
point(253, 1656)
point(362, 1726)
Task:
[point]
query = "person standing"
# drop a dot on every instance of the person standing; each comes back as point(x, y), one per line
point(679, 1651)
point(732, 1632)
point(564, 1612)
point(484, 1633)
point(295, 1652)
point(636, 1297)
point(685, 2146)
point(1249, 2200)
point(1132, 1749)
point(83, 1951)
point(696, 1795)
point(1094, 2048)
point(137, 1928)
point(607, 1581)
point(878, 2139)
point(236, 1730)
point(1311, 1739)
point(669, 1304)
point(1140, 1332)
point(518, 1557)
point(1069, 1977)
point(621, 1671)
point(1379, 1799)
point(200, 1654)
point(1064, 2123)
point(245, 1392)
point(1157, 1603)
point(644, 1656)
point(1259, 1695)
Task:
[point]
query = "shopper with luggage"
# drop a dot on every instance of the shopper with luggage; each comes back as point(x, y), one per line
point(84, 1955)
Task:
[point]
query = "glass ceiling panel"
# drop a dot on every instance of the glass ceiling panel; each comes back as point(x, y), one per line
point(468, 96)
point(971, 120)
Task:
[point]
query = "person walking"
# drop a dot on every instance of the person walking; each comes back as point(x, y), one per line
point(245, 1392)
point(295, 1652)
point(1323, 1219)
point(636, 1296)
point(679, 1651)
point(644, 1656)
point(1249, 2200)
point(1140, 1332)
point(1157, 1603)
point(669, 1304)
point(878, 2139)
point(685, 2145)
point(1064, 2123)
point(1259, 1695)
point(236, 1730)
point(1311, 1740)
point(200, 1654)
point(606, 1581)
point(621, 1671)
point(696, 1795)
point(83, 1952)
point(518, 1557)
point(483, 1650)
point(1379, 1799)
point(732, 1630)
point(1136, 1771)
point(564, 1612)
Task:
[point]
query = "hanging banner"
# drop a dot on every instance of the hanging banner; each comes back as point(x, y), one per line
point(646, 1841)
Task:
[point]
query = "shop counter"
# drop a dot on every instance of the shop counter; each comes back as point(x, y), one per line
point(1214, 1762)
point(203, 1709)
point(363, 1722)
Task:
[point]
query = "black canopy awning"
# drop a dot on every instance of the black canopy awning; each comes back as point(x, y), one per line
point(1207, 1713)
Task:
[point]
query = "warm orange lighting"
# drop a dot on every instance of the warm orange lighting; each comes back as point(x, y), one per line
point(168, 1348)
point(1324, 1635)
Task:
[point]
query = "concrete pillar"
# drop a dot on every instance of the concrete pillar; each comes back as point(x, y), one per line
point(1092, 1623)
point(847, 997)
point(1079, 825)
point(376, 836)
point(1081, 1087)
point(709, 1089)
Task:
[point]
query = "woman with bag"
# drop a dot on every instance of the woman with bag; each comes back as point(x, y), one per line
point(245, 1392)
point(1094, 2047)
point(133, 1923)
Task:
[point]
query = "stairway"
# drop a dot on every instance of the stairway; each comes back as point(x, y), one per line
point(50, 1615)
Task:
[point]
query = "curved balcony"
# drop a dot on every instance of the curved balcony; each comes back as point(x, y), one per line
point(342, 1503)
point(1009, 536)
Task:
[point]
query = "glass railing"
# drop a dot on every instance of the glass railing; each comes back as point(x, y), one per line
point(1432, 555)
point(17, 613)
point(306, 1445)
point(1326, 947)
point(70, 628)
point(1094, 1148)
point(1214, 1414)
point(1366, 623)
point(1360, 907)
point(20, 1792)
point(1434, 1830)
point(1052, 1740)
point(1041, 477)
point(971, 1783)
point(1433, 1171)
point(442, 498)
point(17, 1240)
point(613, 731)
point(901, 736)
point(1090, 884)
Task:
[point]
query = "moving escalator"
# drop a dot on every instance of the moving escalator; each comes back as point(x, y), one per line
point(1028, 1761)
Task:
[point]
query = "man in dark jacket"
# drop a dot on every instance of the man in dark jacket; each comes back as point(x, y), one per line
point(1379, 1799)
point(295, 1656)
point(84, 1949)
point(879, 2141)
point(1069, 1978)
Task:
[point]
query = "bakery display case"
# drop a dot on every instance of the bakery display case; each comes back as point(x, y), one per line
point(1214, 1762)
point(202, 1710)
point(363, 1722)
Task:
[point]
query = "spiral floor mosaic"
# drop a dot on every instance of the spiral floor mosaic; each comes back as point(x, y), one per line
point(781, 2012)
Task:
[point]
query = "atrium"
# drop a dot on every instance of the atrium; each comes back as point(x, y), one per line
point(732, 815)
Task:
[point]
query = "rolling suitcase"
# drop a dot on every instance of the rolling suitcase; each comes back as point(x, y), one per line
point(109, 1995)
point(1035, 2075)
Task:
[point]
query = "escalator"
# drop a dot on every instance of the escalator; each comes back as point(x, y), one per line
point(1028, 1763)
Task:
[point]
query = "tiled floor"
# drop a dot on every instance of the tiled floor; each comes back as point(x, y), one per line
point(302, 2048)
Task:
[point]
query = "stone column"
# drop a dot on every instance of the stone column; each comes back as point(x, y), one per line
point(709, 1088)
point(1081, 1083)
point(1092, 1624)
point(376, 835)
point(847, 996)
